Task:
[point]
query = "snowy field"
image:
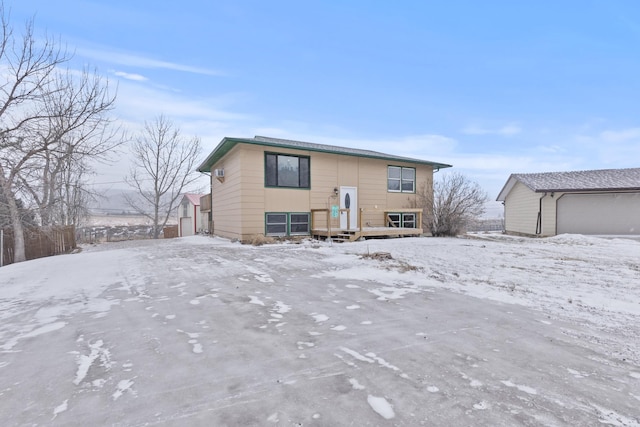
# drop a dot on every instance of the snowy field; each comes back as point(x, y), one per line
point(490, 330)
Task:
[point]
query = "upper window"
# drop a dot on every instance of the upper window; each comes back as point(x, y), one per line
point(283, 170)
point(400, 179)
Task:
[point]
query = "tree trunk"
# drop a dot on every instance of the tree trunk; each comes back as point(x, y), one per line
point(19, 252)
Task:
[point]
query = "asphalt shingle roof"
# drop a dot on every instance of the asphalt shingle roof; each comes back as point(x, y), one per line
point(603, 179)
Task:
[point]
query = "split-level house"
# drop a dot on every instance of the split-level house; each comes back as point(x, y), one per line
point(277, 187)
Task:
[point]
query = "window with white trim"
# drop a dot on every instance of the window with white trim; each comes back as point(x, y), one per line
point(404, 220)
point(401, 179)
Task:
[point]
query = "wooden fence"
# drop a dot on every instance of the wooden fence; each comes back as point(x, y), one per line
point(170, 231)
point(40, 242)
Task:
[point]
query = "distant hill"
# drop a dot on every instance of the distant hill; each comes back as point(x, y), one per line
point(113, 201)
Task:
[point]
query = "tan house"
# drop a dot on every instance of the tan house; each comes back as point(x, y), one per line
point(276, 187)
point(604, 202)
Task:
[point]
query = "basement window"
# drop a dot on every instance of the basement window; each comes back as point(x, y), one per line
point(287, 224)
point(404, 220)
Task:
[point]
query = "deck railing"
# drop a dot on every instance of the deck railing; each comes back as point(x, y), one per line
point(385, 217)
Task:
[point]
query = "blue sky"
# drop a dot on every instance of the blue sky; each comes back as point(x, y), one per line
point(492, 87)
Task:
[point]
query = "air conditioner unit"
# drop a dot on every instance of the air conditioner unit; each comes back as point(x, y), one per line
point(218, 173)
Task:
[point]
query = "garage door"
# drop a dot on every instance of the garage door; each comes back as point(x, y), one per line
point(607, 213)
point(186, 226)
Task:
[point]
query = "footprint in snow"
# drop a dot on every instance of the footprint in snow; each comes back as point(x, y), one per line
point(381, 406)
point(320, 317)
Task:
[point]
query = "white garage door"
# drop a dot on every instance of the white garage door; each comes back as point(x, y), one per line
point(186, 226)
point(607, 213)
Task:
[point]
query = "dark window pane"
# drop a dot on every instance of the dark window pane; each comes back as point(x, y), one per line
point(409, 220)
point(407, 186)
point(394, 172)
point(271, 171)
point(288, 171)
point(299, 218)
point(394, 220)
point(409, 173)
point(300, 228)
point(276, 218)
point(304, 172)
point(278, 229)
point(393, 184)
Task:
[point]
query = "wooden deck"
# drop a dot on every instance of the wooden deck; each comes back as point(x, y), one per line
point(344, 235)
point(351, 234)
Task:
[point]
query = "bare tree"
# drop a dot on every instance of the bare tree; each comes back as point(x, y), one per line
point(455, 201)
point(163, 168)
point(76, 128)
point(48, 116)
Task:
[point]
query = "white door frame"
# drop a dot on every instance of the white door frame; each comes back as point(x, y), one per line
point(352, 192)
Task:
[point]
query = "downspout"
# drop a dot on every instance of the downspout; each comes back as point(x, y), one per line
point(195, 220)
point(539, 222)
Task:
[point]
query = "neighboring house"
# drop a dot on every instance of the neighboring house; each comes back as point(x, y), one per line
point(277, 187)
point(189, 216)
point(605, 202)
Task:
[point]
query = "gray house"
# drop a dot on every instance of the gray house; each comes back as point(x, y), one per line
point(581, 202)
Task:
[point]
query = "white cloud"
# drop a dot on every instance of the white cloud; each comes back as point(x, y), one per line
point(138, 60)
point(552, 149)
point(625, 135)
point(130, 76)
point(507, 130)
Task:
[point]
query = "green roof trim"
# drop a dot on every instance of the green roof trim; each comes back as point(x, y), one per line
point(228, 143)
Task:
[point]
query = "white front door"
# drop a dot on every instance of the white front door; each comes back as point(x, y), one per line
point(349, 200)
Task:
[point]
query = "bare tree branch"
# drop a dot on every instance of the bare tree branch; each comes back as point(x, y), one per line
point(51, 121)
point(164, 167)
point(455, 201)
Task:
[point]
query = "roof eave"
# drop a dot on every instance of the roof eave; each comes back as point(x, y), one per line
point(583, 190)
point(228, 143)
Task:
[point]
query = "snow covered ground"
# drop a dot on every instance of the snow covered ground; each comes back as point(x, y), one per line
point(489, 330)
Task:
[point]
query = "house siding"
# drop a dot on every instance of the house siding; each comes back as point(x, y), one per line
point(226, 196)
point(240, 203)
point(521, 210)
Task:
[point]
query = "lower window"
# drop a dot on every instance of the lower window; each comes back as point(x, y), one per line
point(405, 220)
point(287, 224)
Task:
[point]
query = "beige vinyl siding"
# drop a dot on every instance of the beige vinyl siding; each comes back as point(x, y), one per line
point(372, 191)
point(549, 217)
point(521, 210)
point(226, 196)
point(324, 178)
point(240, 203)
